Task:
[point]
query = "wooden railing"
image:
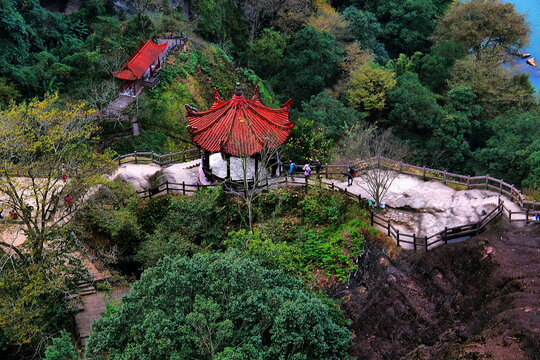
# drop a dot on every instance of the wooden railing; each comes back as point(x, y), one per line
point(162, 160)
point(331, 170)
point(428, 241)
point(417, 242)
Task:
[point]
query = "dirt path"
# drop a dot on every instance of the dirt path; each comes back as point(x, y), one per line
point(478, 299)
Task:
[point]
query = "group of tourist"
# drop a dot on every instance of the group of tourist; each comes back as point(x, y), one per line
point(350, 174)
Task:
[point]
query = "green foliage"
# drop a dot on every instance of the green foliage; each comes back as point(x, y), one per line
point(307, 141)
point(110, 214)
point(368, 87)
point(147, 141)
point(268, 52)
point(485, 28)
point(270, 253)
point(512, 153)
point(192, 224)
point(365, 28)
point(8, 94)
point(334, 250)
point(496, 88)
point(321, 207)
point(310, 64)
point(406, 24)
point(61, 348)
point(434, 68)
point(221, 20)
point(329, 114)
point(450, 140)
point(217, 306)
point(34, 299)
point(414, 108)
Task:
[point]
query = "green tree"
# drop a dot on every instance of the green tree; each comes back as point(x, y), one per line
point(308, 141)
point(497, 89)
point(39, 143)
point(192, 224)
point(434, 69)
point(61, 348)
point(485, 27)
point(512, 152)
point(406, 24)
point(415, 112)
point(365, 29)
point(311, 62)
point(217, 306)
point(268, 52)
point(330, 114)
point(449, 145)
point(369, 86)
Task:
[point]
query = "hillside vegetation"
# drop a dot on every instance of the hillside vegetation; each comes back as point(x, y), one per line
point(436, 77)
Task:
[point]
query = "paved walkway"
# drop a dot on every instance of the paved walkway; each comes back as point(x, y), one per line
point(94, 305)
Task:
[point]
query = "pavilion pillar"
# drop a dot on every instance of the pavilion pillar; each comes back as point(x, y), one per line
point(206, 161)
point(228, 166)
point(256, 167)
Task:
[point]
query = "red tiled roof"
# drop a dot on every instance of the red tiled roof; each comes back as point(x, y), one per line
point(239, 127)
point(137, 64)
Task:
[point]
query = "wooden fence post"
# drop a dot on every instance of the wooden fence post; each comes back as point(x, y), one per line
point(326, 171)
point(425, 242)
point(388, 226)
point(167, 186)
point(183, 156)
point(306, 182)
point(267, 182)
point(183, 187)
point(445, 234)
point(468, 182)
point(500, 187)
point(444, 177)
point(119, 161)
point(135, 157)
point(397, 237)
point(400, 167)
point(487, 181)
point(414, 240)
point(359, 198)
point(424, 173)
point(371, 214)
point(197, 186)
point(527, 216)
point(332, 186)
point(509, 215)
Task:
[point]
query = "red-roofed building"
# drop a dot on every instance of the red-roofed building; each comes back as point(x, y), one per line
point(140, 66)
point(237, 128)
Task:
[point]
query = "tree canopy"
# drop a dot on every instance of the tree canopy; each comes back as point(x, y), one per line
point(218, 306)
point(485, 27)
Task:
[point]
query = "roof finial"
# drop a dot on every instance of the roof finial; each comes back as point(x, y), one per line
point(238, 90)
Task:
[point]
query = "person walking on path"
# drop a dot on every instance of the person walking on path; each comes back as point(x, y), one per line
point(350, 175)
point(318, 168)
point(292, 167)
point(307, 171)
point(68, 202)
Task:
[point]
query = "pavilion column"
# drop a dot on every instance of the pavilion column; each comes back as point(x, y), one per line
point(206, 161)
point(228, 166)
point(256, 167)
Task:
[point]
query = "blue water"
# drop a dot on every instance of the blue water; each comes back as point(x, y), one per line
point(531, 8)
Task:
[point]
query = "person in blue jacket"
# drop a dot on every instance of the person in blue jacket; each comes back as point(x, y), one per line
point(292, 167)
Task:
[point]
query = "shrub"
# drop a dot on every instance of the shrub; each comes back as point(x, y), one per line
point(323, 207)
point(270, 253)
